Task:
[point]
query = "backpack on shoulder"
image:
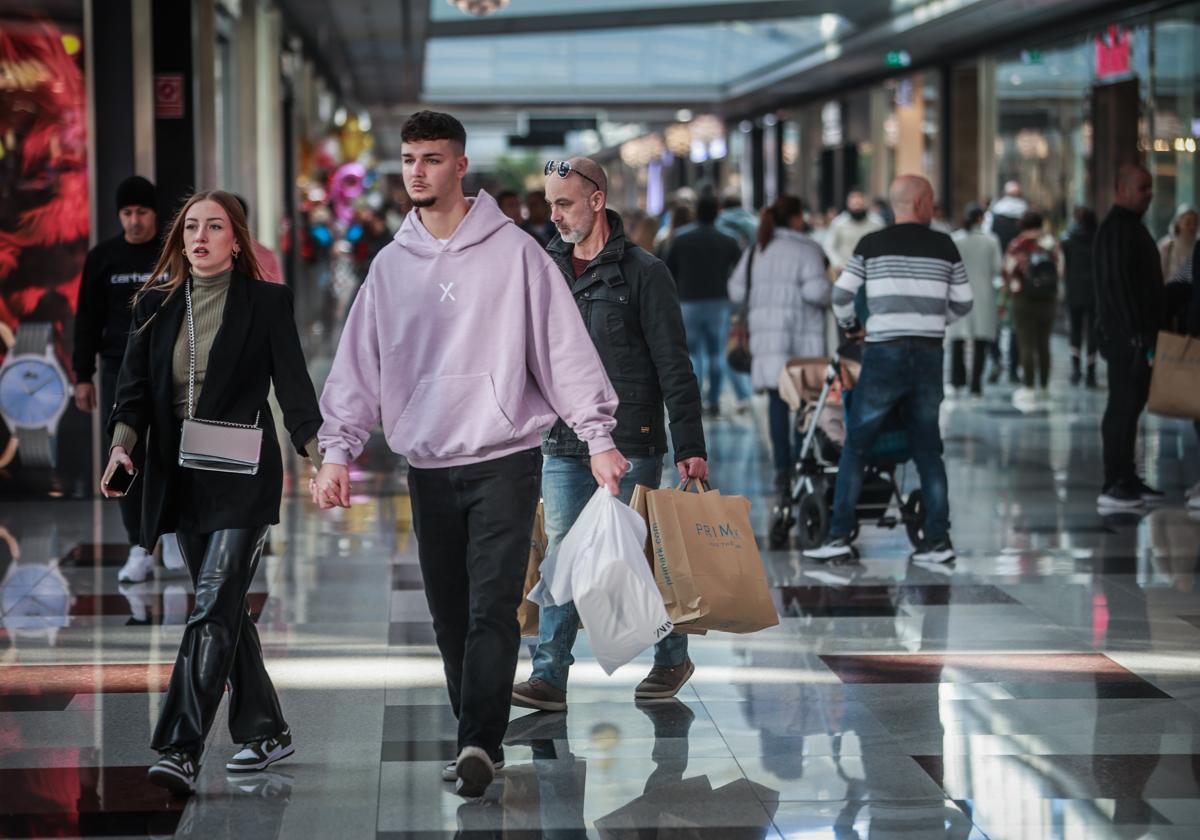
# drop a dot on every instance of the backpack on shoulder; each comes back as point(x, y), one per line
point(1041, 276)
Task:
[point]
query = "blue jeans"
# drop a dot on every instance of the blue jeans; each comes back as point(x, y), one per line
point(906, 372)
point(707, 325)
point(567, 485)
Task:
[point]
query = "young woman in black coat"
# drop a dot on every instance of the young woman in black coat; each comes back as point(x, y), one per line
point(242, 339)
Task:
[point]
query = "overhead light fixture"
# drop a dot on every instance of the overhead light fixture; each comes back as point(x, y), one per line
point(478, 8)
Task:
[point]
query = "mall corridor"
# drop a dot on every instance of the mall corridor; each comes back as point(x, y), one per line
point(409, 202)
point(1044, 686)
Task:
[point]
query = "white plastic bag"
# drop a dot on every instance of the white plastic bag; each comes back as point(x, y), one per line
point(601, 566)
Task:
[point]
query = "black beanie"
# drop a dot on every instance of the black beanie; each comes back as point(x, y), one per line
point(136, 190)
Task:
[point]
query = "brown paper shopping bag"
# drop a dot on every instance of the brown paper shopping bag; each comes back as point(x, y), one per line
point(528, 612)
point(706, 561)
point(1175, 381)
point(640, 506)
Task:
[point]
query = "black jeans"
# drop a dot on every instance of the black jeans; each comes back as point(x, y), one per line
point(219, 645)
point(1128, 390)
point(779, 423)
point(1083, 318)
point(958, 363)
point(131, 502)
point(473, 525)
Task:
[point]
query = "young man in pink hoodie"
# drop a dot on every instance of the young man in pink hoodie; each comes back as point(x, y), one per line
point(467, 345)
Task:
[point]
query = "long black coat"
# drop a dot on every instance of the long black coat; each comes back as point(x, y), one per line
point(257, 344)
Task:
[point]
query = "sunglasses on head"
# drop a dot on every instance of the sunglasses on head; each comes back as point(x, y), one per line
point(564, 168)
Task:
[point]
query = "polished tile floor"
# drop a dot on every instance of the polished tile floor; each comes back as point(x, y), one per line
point(1047, 685)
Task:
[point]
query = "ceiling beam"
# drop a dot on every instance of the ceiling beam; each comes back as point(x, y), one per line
point(415, 17)
point(640, 18)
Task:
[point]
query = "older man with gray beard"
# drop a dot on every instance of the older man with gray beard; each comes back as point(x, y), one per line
point(629, 303)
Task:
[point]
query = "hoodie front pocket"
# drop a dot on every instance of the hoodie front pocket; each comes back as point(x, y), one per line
point(452, 417)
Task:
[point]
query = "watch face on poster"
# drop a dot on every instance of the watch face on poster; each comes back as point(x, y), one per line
point(32, 392)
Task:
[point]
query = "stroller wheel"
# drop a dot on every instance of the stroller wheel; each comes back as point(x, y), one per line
point(913, 513)
point(781, 527)
point(812, 520)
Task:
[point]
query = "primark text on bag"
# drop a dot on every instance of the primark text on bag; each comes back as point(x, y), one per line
point(600, 565)
point(706, 561)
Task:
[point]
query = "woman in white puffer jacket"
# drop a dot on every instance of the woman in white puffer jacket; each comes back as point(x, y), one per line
point(789, 296)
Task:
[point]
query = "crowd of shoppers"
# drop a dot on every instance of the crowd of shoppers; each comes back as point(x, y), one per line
point(562, 355)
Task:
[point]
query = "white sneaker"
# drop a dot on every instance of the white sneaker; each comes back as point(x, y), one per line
point(139, 566)
point(1193, 503)
point(171, 555)
point(1193, 492)
point(838, 548)
point(258, 755)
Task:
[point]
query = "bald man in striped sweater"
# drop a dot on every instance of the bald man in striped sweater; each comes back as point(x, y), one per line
point(915, 285)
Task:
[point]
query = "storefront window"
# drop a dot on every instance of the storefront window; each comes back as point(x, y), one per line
point(1175, 117)
point(44, 228)
point(1070, 112)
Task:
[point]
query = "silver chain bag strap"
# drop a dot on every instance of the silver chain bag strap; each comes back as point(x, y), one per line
point(214, 445)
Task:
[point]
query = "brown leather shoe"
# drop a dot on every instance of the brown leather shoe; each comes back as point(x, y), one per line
point(664, 682)
point(538, 694)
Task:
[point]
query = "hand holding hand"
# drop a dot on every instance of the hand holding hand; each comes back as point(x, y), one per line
point(692, 468)
point(117, 459)
point(608, 468)
point(331, 487)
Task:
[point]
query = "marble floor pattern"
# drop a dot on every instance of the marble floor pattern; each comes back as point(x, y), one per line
point(1047, 685)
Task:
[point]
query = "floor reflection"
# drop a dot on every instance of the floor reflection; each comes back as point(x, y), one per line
point(1046, 687)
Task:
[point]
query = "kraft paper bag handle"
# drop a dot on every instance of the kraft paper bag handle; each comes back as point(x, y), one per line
point(700, 482)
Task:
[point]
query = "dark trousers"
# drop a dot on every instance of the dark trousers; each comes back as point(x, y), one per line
point(1034, 322)
point(219, 645)
point(779, 423)
point(1128, 390)
point(473, 525)
point(907, 373)
point(958, 363)
point(1083, 319)
point(131, 502)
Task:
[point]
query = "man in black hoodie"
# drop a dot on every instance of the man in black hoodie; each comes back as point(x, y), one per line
point(1131, 306)
point(114, 270)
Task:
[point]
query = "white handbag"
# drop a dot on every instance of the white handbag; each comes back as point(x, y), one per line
point(214, 445)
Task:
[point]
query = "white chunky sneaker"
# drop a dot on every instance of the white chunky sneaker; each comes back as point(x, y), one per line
point(139, 566)
point(171, 555)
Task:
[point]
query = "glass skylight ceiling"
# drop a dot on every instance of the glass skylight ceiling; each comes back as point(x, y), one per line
point(440, 10)
point(659, 63)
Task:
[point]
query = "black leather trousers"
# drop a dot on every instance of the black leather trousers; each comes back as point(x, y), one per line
point(219, 645)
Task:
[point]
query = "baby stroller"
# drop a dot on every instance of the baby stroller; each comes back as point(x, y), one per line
point(820, 390)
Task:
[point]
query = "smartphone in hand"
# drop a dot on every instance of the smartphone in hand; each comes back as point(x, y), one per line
point(120, 481)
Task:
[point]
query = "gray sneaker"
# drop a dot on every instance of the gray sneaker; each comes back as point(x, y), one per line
point(536, 693)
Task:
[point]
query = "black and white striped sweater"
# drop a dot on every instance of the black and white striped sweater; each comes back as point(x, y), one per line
point(915, 281)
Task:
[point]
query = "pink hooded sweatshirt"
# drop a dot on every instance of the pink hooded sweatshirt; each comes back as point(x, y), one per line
point(466, 350)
